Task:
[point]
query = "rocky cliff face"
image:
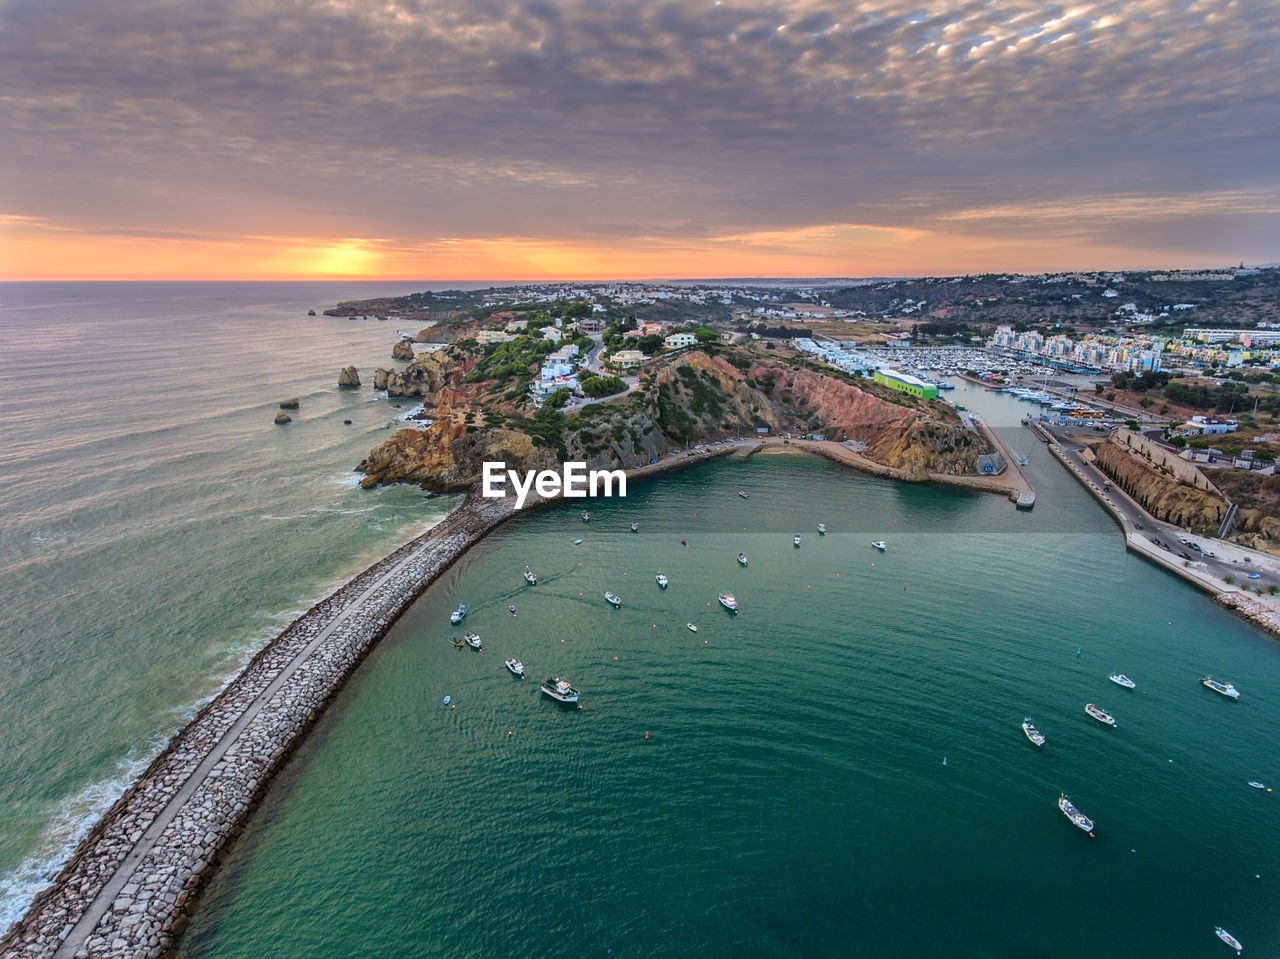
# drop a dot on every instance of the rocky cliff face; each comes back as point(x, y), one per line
point(695, 398)
point(1162, 495)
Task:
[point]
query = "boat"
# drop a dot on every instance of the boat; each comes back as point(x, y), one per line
point(1033, 734)
point(457, 615)
point(1257, 785)
point(691, 627)
point(744, 494)
point(559, 690)
point(742, 559)
point(822, 529)
point(1229, 939)
point(516, 667)
point(512, 609)
point(1225, 688)
point(728, 602)
point(530, 577)
point(472, 640)
point(456, 641)
point(880, 544)
point(1120, 679)
point(613, 598)
point(586, 517)
point(1099, 715)
point(635, 527)
point(1075, 815)
point(795, 540)
point(577, 542)
point(662, 580)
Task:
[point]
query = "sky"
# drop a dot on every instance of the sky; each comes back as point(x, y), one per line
point(627, 139)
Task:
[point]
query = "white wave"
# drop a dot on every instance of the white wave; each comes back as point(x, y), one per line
point(347, 480)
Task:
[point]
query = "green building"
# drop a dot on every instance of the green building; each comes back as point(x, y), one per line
point(906, 383)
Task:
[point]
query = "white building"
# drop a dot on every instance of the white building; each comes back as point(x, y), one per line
point(676, 341)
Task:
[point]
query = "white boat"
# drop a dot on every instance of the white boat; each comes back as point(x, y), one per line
point(744, 494)
point(529, 577)
point(613, 598)
point(1099, 715)
point(1120, 679)
point(559, 690)
point(457, 615)
point(795, 540)
point(742, 559)
point(1033, 734)
point(662, 580)
point(1229, 939)
point(472, 640)
point(516, 667)
point(635, 527)
point(692, 628)
point(1225, 688)
point(822, 529)
point(880, 544)
point(586, 517)
point(728, 602)
point(1257, 785)
point(1075, 815)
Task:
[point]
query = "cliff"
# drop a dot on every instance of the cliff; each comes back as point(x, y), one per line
point(695, 398)
point(1163, 496)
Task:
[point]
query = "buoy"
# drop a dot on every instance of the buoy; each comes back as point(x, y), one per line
point(615, 659)
point(646, 734)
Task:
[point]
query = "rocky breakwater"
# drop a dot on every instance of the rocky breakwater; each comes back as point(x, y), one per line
point(130, 885)
point(1162, 495)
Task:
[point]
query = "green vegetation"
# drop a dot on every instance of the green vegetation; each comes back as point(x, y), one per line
point(598, 386)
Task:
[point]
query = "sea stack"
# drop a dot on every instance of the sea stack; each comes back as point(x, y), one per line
point(403, 350)
point(290, 404)
point(282, 418)
point(349, 377)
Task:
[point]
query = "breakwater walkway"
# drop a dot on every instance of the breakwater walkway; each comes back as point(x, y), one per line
point(130, 886)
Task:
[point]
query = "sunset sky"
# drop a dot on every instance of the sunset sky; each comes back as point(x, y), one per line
point(452, 139)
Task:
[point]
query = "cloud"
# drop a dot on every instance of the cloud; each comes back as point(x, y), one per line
point(595, 119)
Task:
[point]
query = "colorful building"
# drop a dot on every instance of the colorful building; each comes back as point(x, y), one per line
point(906, 383)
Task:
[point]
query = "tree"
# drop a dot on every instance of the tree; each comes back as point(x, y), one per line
point(558, 398)
point(597, 386)
point(650, 344)
point(704, 334)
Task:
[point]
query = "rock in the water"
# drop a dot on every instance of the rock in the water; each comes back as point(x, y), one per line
point(403, 350)
point(346, 422)
point(311, 312)
point(349, 376)
point(282, 417)
point(380, 378)
point(290, 404)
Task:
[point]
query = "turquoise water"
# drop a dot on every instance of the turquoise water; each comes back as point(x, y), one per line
point(157, 529)
point(836, 770)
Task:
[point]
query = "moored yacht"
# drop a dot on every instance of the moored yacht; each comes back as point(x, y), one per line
point(457, 615)
point(662, 580)
point(822, 529)
point(728, 602)
point(1075, 815)
point(516, 667)
point(559, 690)
point(472, 640)
point(613, 598)
point(742, 559)
point(1099, 715)
point(744, 494)
point(795, 540)
point(635, 527)
point(1225, 688)
point(586, 517)
point(529, 577)
point(1229, 939)
point(1120, 679)
point(880, 544)
point(1033, 734)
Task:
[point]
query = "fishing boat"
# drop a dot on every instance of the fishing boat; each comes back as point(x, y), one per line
point(744, 494)
point(530, 577)
point(822, 529)
point(691, 627)
point(1099, 715)
point(728, 602)
point(1225, 688)
point(1075, 815)
point(1120, 679)
point(613, 598)
point(880, 544)
point(1229, 939)
point(1033, 734)
point(742, 559)
point(586, 517)
point(458, 614)
point(635, 527)
point(795, 540)
point(516, 667)
point(662, 580)
point(559, 690)
point(472, 640)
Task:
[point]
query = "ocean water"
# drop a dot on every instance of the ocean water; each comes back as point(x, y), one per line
point(837, 770)
point(156, 527)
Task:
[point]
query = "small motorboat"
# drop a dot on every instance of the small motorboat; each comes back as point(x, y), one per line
point(744, 494)
point(684, 542)
point(729, 602)
point(577, 542)
point(662, 581)
point(512, 609)
point(1225, 688)
point(1075, 815)
point(635, 527)
point(613, 599)
point(822, 529)
point(458, 614)
point(586, 517)
point(516, 667)
point(472, 640)
point(742, 559)
point(691, 627)
point(795, 540)
point(1257, 785)
point(880, 544)
point(1033, 734)
point(1229, 939)
point(530, 577)
point(559, 690)
point(1120, 679)
point(1099, 715)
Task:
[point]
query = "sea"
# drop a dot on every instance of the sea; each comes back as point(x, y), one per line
point(838, 769)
